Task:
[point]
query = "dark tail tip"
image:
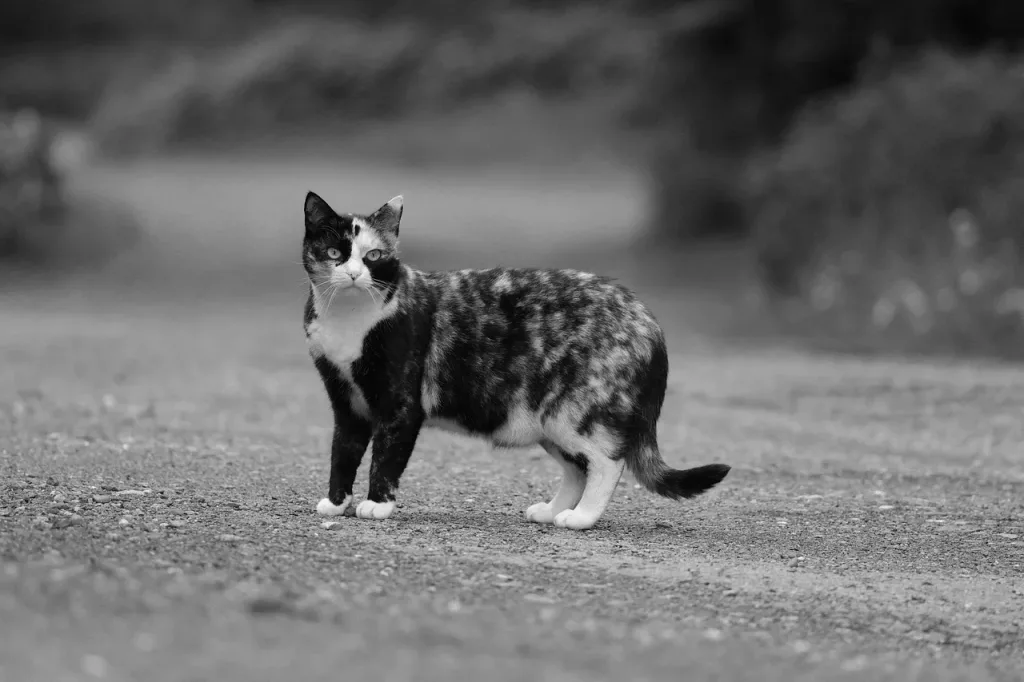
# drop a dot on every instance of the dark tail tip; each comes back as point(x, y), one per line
point(685, 483)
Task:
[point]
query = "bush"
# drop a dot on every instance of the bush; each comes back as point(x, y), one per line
point(893, 214)
point(337, 71)
point(30, 185)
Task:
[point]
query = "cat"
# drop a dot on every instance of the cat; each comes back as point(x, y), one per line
point(563, 359)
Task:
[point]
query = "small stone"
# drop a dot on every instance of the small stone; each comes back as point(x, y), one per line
point(101, 499)
point(794, 563)
point(331, 525)
point(94, 666)
point(1009, 536)
point(144, 641)
point(77, 520)
point(59, 497)
point(52, 482)
point(111, 535)
point(663, 524)
point(175, 523)
point(714, 634)
point(801, 646)
point(41, 523)
point(62, 522)
point(132, 493)
point(885, 507)
point(730, 593)
point(124, 522)
point(228, 537)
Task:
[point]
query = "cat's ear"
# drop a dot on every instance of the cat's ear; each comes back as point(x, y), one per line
point(316, 210)
point(389, 216)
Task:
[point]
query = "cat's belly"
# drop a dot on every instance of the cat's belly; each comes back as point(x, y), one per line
point(521, 428)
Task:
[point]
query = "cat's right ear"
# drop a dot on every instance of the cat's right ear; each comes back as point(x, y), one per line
point(316, 210)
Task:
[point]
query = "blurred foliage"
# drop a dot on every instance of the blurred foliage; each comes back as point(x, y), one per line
point(30, 185)
point(335, 71)
point(892, 213)
point(732, 74)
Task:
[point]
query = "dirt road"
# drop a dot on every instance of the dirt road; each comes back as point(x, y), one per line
point(161, 452)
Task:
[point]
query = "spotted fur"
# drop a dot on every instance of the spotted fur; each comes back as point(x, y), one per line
point(563, 359)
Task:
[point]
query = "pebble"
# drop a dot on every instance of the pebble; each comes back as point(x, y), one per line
point(801, 646)
point(77, 520)
point(714, 634)
point(228, 537)
point(101, 499)
point(663, 524)
point(62, 522)
point(176, 523)
point(331, 525)
point(94, 666)
point(124, 522)
point(133, 493)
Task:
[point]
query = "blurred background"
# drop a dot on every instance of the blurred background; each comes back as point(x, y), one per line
point(846, 173)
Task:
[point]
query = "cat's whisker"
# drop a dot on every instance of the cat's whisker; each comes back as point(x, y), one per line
point(375, 296)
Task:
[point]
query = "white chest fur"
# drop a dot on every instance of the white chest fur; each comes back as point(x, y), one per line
point(339, 331)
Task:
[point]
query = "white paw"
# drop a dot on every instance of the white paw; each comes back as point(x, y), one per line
point(374, 510)
point(575, 519)
point(540, 513)
point(325, 508)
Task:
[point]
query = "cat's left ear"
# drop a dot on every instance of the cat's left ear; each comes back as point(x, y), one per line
point(389, 216)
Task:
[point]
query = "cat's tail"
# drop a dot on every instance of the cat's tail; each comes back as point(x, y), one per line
point(652, 473)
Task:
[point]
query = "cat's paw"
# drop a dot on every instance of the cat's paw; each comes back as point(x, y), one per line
point(540, 513)
point(575, 520)
point(368, 509)
point(326, 508)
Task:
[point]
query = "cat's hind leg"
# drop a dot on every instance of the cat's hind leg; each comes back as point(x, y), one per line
point(603, 473)
point(574, 476)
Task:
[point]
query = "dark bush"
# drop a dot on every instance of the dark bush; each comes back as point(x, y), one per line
point(893, 214)
point(30, 185)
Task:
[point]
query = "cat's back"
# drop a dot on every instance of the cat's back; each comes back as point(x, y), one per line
point(563, 302)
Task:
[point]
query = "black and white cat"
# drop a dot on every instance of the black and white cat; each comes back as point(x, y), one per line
point(558, 358)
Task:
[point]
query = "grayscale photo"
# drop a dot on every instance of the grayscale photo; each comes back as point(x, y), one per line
point(512, 340)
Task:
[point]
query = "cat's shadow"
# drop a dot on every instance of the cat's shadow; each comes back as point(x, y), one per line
point(513, 522)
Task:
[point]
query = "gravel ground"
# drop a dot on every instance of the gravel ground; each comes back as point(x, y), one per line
point(161, 454)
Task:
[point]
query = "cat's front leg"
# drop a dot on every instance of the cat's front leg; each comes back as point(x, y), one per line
point(393, 443)
point(351, 436)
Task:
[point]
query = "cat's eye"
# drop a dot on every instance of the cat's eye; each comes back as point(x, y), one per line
point(373, 255)
point(333, 254)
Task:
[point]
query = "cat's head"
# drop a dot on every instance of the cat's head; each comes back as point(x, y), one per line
point(346, 250)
